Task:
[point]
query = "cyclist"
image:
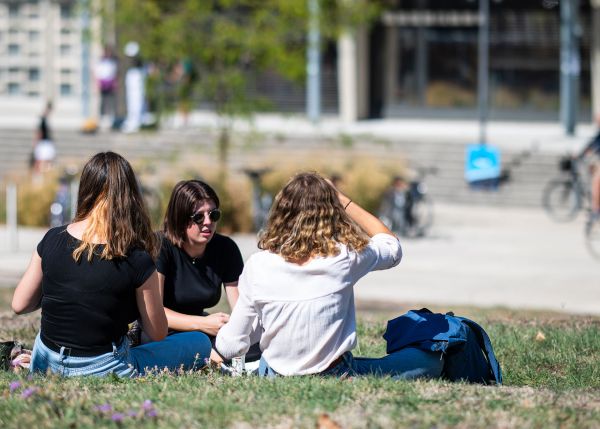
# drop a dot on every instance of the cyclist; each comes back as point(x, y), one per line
point(592, 153)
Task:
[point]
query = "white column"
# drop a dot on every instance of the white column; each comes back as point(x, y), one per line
point(347, 78)
point(353, 75)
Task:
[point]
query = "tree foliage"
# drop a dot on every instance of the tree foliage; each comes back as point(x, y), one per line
point(227, 42)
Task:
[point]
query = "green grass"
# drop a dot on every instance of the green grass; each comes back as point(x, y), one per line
point(554, 382)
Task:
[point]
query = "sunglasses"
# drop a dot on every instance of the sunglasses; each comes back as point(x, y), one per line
point(213, 215)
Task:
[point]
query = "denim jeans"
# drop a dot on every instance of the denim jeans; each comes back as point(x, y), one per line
point(187, 350)
point(407, 364)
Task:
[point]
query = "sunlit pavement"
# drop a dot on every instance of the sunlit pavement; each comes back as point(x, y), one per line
point(517, 258)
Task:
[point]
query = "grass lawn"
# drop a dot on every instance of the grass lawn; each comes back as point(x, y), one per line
point(551, 365)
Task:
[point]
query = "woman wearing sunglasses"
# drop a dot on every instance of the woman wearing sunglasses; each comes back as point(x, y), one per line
point(195, 262)
point(96, 275)
point(317, 244)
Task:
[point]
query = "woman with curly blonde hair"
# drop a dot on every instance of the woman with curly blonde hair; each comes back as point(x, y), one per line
point(317, 244)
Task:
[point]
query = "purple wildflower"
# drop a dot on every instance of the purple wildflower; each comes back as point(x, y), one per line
point(28, 392)
point(152, 413)
point(147, 405)
point(14, 385)
point(117, 417)
point(103, 408)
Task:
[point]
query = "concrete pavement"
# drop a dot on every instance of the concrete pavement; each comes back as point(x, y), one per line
point(512, 257)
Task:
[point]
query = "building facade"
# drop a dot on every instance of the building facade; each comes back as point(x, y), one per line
point(41, 58)
point(421, 60)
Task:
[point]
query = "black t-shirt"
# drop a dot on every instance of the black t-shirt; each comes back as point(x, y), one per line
point(193, 284)
point(87, 306)
point(44, 129)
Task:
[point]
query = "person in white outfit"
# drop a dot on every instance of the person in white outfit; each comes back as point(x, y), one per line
point(317, 244)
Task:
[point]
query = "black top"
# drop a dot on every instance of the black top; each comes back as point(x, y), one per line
point(44, 129)
point(193, 284)
point(86, 306)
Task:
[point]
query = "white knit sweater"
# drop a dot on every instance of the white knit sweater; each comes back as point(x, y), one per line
point(306, 311)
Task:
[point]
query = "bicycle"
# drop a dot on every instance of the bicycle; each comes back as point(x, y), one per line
point(564, 197)
point(406, 208)
point(261, 199)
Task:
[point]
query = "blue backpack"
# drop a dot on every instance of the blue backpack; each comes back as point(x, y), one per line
point(467, 349)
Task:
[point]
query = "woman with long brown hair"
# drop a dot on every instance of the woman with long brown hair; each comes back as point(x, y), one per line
point(317, 244)
point(94, 276)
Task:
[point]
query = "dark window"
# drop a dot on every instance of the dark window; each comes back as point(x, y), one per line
point(34, 74)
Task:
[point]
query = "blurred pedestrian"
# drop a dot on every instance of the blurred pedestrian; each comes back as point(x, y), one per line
point(44, 152)
point(135, 82)
point(106, 75)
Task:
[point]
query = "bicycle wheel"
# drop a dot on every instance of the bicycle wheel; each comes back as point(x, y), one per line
point(422, 218)
point(562, 200)
point(592, 237)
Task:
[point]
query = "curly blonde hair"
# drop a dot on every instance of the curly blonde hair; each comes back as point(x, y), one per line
point(307, 220)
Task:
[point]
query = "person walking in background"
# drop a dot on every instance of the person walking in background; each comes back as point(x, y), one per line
point(196, 262)
point(94, 276)
point(317, 244)
point(106, 75)
point(135, 89)
point(44, 151)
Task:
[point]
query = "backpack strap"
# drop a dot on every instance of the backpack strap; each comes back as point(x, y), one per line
point(487, 348)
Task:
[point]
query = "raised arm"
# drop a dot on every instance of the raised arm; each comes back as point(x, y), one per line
point(28, 294)
point(368, 222)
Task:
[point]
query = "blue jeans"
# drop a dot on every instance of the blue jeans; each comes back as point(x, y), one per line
point(187, 350)
point(407, 364)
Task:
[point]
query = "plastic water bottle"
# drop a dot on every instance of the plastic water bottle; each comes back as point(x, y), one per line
point(238, 365)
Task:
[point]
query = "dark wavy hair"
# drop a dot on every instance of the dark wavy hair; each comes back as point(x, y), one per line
point(184, 198)
point(307, 219)
point(109, 197)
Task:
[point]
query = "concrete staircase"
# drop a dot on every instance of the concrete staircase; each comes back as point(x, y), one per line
point(524, 189)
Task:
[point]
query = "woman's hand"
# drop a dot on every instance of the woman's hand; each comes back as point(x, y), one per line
point(214, 322)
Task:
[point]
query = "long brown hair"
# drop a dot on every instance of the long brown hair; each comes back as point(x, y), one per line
point(109, 197)
point(307, 219)
point(184, 198)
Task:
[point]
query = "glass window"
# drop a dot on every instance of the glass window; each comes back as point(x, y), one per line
point(34, 36)
point(34, 74)
point(14, 88)
point(13, 49)
point(66, 89)
point(66, 11)
point(65, 49)
point(14, 10)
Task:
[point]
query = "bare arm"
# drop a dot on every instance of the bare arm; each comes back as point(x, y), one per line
point(186, 322)
point(232, 292)
point(152, 312)
point(28, 293)
point(369, 223)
